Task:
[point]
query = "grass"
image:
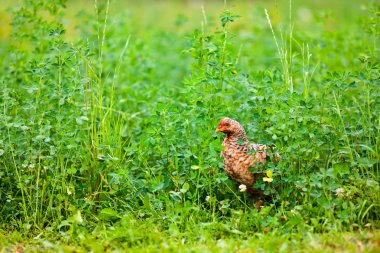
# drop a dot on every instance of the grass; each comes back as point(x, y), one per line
point(108, 117)
point(340, 242)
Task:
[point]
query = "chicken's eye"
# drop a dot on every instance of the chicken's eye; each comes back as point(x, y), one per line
point(227, 124)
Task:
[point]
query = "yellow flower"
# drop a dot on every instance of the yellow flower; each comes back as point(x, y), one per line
point(269, 176)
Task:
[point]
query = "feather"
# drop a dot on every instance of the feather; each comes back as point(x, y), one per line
point(241, 157)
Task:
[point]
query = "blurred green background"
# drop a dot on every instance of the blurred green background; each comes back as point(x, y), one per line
point(339, 14)
point(144, 19)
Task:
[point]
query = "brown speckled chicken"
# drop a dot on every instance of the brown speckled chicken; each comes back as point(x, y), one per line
point(239, 155)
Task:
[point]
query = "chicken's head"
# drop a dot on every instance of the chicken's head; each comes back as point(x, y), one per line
point(228, 126)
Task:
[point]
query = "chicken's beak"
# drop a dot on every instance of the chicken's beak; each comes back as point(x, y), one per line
point(218, 130)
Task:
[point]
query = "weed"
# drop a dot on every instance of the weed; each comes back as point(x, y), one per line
point(108, 139)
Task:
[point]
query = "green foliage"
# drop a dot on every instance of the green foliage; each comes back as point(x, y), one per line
point(111, 136)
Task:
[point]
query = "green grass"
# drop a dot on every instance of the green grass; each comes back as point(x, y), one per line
point(138, 241)
point(108, 112)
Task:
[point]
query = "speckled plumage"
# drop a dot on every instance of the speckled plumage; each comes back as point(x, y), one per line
point(239, 155)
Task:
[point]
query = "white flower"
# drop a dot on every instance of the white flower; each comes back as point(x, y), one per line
point(221, 243)
point(242, 187)
point(78, 217)
point(24, 128)
point(340, 192)
point(294, 212)
point(208, 198)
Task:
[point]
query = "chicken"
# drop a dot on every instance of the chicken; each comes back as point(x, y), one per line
point(239, 155)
